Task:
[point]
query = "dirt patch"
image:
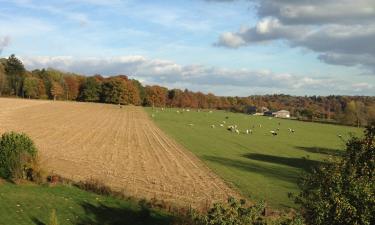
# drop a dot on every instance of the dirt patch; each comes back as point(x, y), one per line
point(122, 148)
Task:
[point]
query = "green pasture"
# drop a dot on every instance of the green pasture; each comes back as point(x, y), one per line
point(259, 165)
point(32, 204)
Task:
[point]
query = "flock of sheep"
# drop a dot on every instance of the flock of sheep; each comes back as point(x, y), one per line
point(235, 129)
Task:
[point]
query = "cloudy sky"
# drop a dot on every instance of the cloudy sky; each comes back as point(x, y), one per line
point(228, 47)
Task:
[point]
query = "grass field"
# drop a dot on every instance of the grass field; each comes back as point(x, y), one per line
point(32, 204)
point(260, 165)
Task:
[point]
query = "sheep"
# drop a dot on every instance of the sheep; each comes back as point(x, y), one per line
point(212, 126)
point(247, 131)
point(223, 121)
point(177, 111)
point(293, 131)
point(190, 124)
point(230, 128)
point(260, 125)
point(251, 131)
point(339, 135)
point(152, 115)
point(277, 129)
point(222, 125)
point(274, 133)
point(237, 131)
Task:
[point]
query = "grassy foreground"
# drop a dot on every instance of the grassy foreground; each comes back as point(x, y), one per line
point(32, 204)
point(260, 165)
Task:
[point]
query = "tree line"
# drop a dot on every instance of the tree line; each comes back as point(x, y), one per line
point(15, 80)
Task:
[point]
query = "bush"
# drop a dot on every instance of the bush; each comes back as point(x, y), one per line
point(238, 212)
point(17, 156)
point(95, 186)
point(342, 191)
point(233, 213)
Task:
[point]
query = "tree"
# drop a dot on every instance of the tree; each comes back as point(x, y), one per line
point(141, 90)
point(342, 191)
point(15, 72)
point(354, 113)
point(71, 87)
point(3, 79)
point(90, 90)
point(155, 96)
point(31, 87)
point(56, 90)
point(132, 94)
point(120, 90)
point(113, 91)
point(17, 155)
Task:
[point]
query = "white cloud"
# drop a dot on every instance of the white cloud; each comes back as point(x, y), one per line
point(4, 42)
point(336, 30)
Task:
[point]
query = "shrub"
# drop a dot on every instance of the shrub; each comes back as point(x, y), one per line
point(17, 156)
point(343, 190)
point(95, 186)
point(233, 213)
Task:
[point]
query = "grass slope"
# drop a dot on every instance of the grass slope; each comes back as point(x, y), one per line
point(260, 165)
point(32, 204)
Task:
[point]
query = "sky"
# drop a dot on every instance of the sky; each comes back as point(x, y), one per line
point(227, 47)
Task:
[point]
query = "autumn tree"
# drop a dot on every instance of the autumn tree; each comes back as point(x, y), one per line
point(354, 113)
point(3, 79)
point(71, 87)
point(132, 95)
point(155, 96)
point(114, 91)
point(90, 90)
point(15, 72)
point(56, 90)
point(120, 90)
point(31, 87)
point(141, 90)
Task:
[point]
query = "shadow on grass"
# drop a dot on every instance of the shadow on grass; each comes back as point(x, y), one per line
point(300, 163)
point(104, 215)
point(275, 172)
point(37, 221)
point(319, 150)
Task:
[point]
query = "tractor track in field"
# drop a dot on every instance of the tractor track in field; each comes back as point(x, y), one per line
point(122, 148)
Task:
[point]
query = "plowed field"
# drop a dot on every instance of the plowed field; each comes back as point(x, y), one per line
point(118, 146)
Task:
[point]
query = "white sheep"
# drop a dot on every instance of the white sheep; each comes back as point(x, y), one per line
point(212, 126)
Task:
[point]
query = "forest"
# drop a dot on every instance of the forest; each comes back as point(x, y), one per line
point(16, 81)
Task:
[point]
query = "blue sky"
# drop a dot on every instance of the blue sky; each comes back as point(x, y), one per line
point(227, 47)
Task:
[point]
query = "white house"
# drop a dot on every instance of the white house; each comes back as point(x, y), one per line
point(282, 114)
